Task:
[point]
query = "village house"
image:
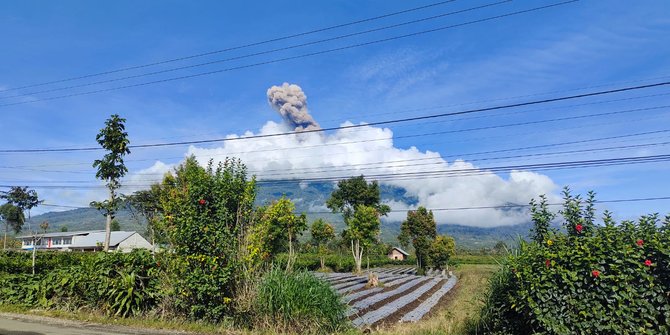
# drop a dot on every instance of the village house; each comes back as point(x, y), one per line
point(124, 241)
point(398, 254)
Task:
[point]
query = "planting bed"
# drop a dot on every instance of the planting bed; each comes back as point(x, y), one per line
point(403, 295)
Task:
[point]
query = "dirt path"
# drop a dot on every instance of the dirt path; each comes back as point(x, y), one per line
point(19, 324)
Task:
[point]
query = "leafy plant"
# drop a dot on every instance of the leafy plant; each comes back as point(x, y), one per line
point(610, 279)
point(299, 302)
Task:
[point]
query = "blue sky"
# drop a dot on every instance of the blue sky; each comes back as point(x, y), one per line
point(573, 48)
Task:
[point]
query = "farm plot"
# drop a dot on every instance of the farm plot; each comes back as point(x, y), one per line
point(402, 297)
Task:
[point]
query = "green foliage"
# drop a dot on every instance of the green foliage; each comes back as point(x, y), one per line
point(22, 197)
point(115, 226)
point(441, 250)
point(281, 226)
point(354, 192)
point(299, 302)
point(206, 212)
point(420, 228)
point(12, 216)
point(322, 233)
point(335, 262)
point(119, 284)
point(145, 205)
point(611, 279)
point(542, 218)
point(111, 167)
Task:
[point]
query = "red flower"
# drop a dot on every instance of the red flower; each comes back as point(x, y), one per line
point(579, 228)
point(595, 273)
point(647, 262)
point(547, 263)
point(202, 201)
point(640, 243)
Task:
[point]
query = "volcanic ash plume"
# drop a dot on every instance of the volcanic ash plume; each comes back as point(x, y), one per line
point(291, 102)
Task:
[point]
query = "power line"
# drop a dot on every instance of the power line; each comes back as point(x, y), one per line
point(295, 57)
point(449, 208)
point(260, 53)
point(416, 118)
point(243, 46)
point(448, 173)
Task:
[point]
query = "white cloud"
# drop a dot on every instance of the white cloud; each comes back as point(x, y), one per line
point(356, 151)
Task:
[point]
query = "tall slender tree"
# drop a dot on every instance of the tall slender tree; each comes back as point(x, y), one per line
point(111, 167)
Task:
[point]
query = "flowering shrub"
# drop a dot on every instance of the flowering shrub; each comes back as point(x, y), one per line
point(592, 279)
point(205, 212)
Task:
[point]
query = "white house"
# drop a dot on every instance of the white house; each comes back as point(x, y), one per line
point(86, 241)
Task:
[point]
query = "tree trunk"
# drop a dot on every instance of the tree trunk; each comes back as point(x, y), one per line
point(290, 253)
point(323, 263)
point(34, 250)
point(357, 251)
point(6, 229)
point(108, 224)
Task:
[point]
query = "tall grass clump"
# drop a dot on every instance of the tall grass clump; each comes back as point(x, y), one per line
point(297, 302)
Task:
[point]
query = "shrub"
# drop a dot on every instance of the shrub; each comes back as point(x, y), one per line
point(336, 262)
point(611, 279)
point(298, 302)
point(116, 283)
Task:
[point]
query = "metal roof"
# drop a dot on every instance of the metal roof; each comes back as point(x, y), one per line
point(401, 251)
point(95, 239)
point(63, 234)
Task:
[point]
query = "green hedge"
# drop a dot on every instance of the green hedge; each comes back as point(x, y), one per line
point(116, 283)
point(337, 263)
point(614, 279)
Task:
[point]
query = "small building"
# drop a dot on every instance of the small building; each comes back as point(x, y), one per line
point(93, 240)
point(398, 254)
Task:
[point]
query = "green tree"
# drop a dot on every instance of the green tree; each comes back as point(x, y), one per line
point(22, 197)
point(115, 226)
point(362, 229)
point(44, 226)
point(420, 228)
point(283, 227)
point(13, 219)
point(542, 218)
point(354, 192)
point(144, 205)
point(111, 167)
point(322, 233)
point(25, 200)
point(207, 212)
point(441, 250)
point(63, 229)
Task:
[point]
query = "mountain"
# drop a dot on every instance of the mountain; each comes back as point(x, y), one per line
point(309, 198)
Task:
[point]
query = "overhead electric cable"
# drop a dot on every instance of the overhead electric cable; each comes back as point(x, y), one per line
point(416, 118)
point(243, 46)
point(445, 208)
point(293, 57)
point(449, 173)
point(254, 54)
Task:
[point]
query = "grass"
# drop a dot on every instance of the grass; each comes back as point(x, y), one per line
point(464, 305)
point(449, 320)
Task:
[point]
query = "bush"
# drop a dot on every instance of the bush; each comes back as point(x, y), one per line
point(611, 279)
point(336, 262)
point(116, 283)
point(298, 302)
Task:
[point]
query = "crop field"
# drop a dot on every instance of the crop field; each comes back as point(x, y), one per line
point(403, 296)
